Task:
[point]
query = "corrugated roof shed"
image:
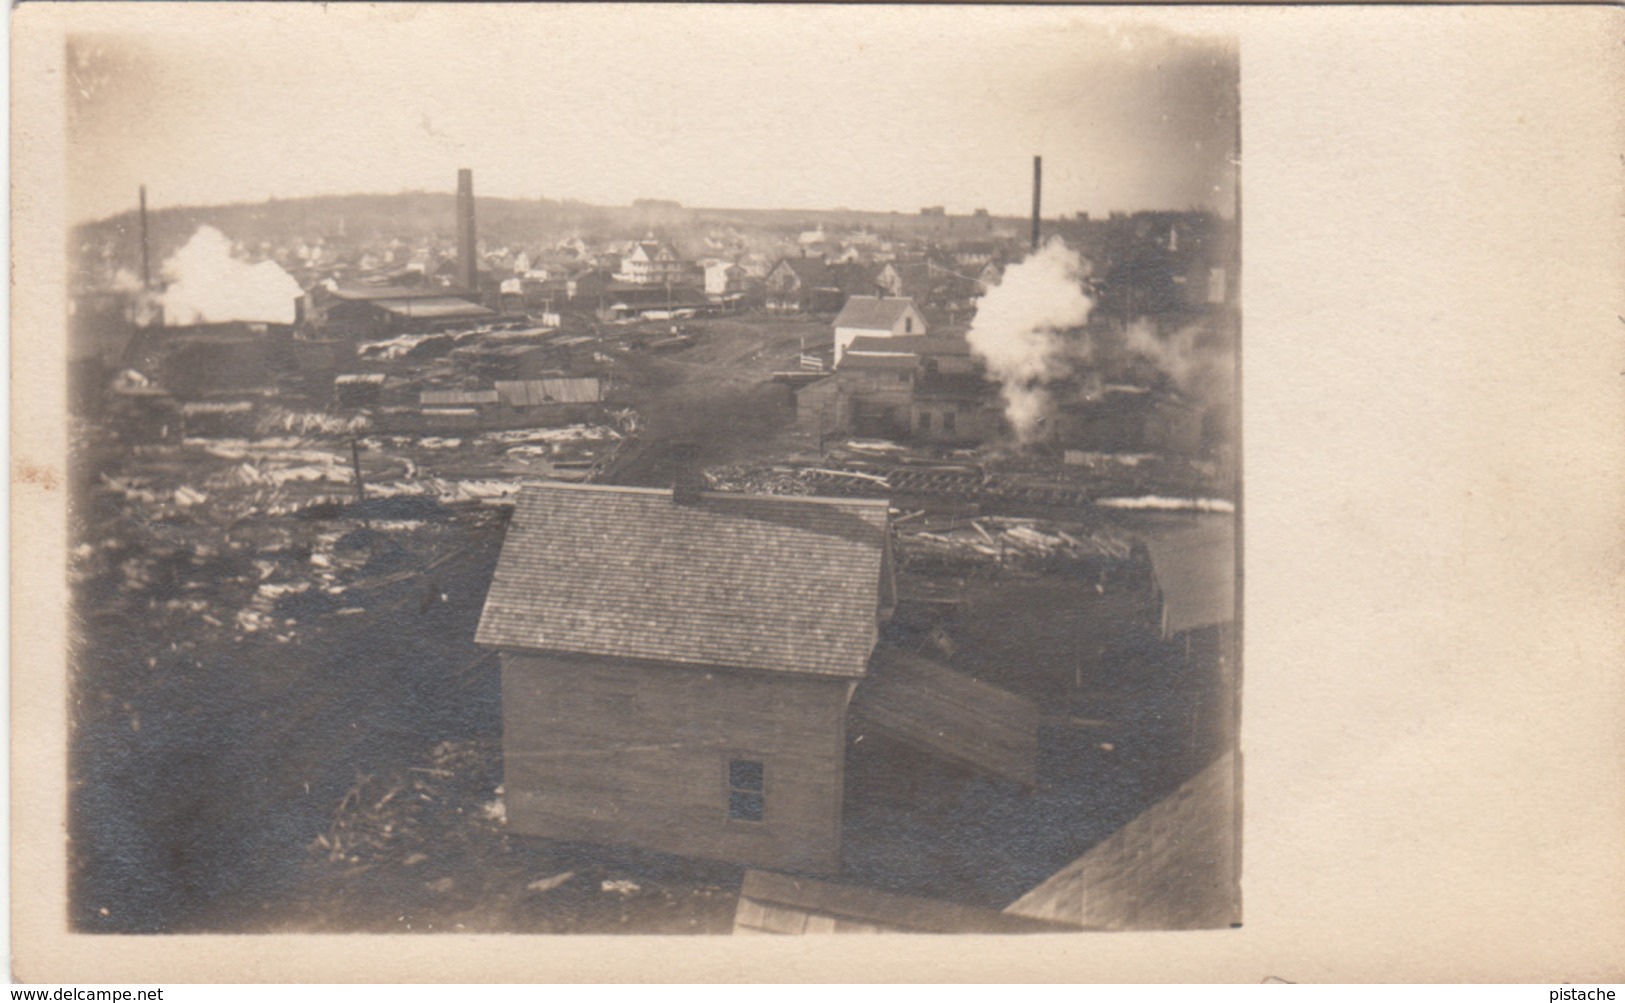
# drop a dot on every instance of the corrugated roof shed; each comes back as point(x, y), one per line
point(949, 714)
point(873, 313)
point(778, 583)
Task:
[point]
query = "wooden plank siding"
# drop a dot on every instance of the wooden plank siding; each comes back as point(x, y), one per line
point(949, 714)
point(1174, 867)
point(554, 390)
point(780, 903)
point(636, 753)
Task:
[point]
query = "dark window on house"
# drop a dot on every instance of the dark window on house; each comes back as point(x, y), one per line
point(908, 325)
point(925, 421)
point(947, 421)
point(746, 789)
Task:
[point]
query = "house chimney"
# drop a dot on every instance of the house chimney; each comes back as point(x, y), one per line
point(146, 246)
point(687, 479)
point(468, 269)
point(1038, 188)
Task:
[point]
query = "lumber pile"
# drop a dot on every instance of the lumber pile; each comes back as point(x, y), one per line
point(1000, 540)
point(411, 816)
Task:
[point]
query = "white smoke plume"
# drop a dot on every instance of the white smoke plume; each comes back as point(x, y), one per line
point(1198, 365)
point(126, 281)
point(1174, 354)
point(209, 286)
point(1018, 331)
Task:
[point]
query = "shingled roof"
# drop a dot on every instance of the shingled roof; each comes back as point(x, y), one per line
point(812, 273)
point(779, 583)
point(911, 344)
point(872, 313)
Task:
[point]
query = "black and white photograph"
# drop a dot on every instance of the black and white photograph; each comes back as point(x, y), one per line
point(645, 480)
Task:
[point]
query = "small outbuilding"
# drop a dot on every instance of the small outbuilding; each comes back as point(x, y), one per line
point(875, 317)
point(677, 666)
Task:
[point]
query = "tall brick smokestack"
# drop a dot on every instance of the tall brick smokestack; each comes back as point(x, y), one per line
point(468, 271)
point(1038, 190)
point(146, 244)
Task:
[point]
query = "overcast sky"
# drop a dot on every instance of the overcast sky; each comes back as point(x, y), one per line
point(747, 106)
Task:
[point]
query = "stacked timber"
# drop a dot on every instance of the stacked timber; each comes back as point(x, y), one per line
point(997, 540)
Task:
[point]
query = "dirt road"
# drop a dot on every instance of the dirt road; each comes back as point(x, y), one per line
point(718, 394)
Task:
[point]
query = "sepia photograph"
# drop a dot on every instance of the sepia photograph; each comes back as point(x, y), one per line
point(582, 493)
point(693, 471)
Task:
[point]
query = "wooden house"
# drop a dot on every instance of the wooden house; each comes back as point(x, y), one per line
point(723, 279)
point(650, 262)
point(953, 409)
point(804, 285)
point(875, 317)
point(928, 387)
point(677, 666)
point(877, 391)
point(682, 670)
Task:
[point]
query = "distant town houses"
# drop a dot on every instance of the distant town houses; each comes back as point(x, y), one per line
point(589, 260)
point(920, 387)
point(802, 285)
point(650, 262)
point(724, 279)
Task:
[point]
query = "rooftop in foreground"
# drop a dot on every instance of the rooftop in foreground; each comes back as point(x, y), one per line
point(748, 581)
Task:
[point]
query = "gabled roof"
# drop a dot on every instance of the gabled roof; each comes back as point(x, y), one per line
point(759, 582)
point(855, 278)
point(872, 313)
point(812, 272)
point(650, 250)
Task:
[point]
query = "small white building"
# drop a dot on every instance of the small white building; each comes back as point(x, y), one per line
point(723, 278)
point(876, 317)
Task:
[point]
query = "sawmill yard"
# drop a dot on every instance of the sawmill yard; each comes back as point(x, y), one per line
point(281, 720)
